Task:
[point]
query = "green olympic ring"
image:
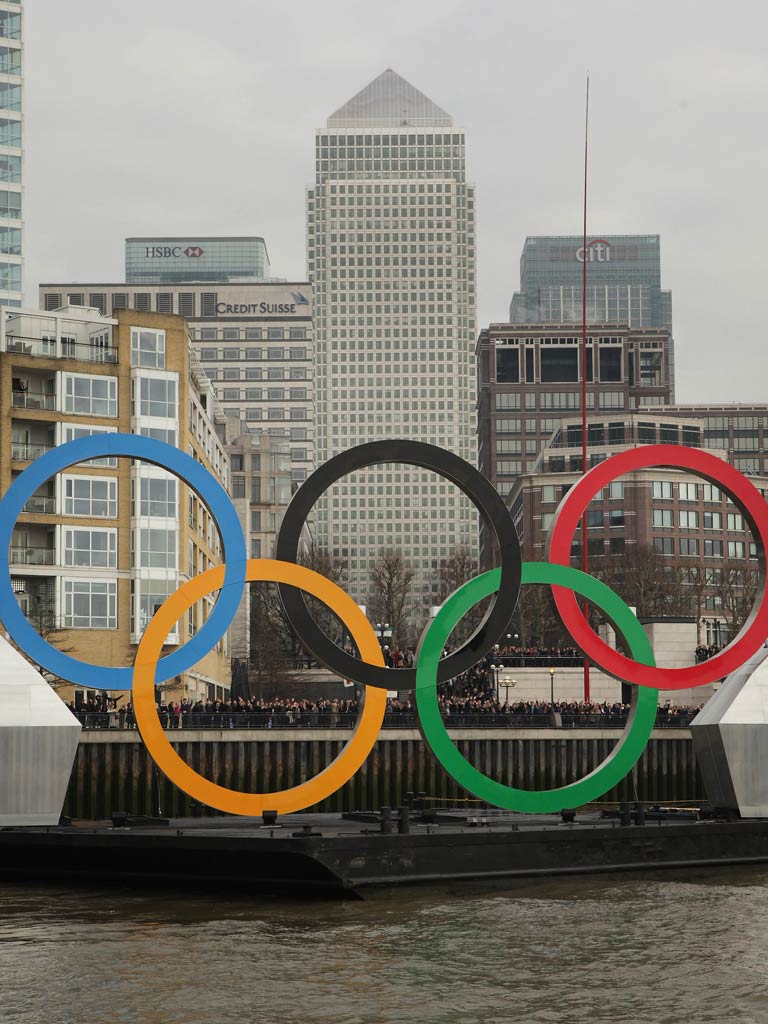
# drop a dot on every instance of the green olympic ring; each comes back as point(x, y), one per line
point(622, 758)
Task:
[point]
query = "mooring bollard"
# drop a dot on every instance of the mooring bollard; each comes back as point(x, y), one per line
point(404, 822)
point(639, 813)
point(385, 826)
point(625, 815)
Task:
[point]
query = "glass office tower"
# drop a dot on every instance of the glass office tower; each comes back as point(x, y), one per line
point(195, 258)
point(391, 255)
point(623, 283)
point(11, 227)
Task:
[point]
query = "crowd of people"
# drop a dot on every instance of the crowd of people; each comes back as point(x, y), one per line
point(706, 651)
point(474, 706)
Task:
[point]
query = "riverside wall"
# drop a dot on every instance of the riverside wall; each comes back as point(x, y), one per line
point(114, 772)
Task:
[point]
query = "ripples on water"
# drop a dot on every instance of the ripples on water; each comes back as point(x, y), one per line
point(688, 949)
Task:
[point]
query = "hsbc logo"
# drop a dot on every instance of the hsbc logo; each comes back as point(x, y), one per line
point(597, 251)
point(165, 252)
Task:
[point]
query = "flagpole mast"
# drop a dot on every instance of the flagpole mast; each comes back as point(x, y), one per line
point(584, 555)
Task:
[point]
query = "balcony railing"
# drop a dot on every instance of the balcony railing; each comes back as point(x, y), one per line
point(26, 451)
point(40, 504)
point(33, 556)
point(61, 348)
point(33, 400)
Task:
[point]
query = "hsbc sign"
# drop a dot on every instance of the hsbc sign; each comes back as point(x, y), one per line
point(596, 251)
point(165, 252)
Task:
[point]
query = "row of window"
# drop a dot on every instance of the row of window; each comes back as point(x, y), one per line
point(689, 519)
point(692, 546)
point(559, 400)
point(256, 373)
point(231, 353)
point(258, 394)
point(248, 333)
point(662, 490)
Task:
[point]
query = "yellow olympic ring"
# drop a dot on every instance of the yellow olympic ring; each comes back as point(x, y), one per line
point(221, 797)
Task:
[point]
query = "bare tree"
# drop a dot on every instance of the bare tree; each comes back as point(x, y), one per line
point(739, 591)
point(645, 580)
point(459, 567)
point(391, 584)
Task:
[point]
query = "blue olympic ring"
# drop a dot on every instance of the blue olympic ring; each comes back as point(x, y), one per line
point(106, 677)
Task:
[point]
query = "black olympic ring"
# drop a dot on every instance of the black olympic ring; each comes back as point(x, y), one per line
point(481, 493)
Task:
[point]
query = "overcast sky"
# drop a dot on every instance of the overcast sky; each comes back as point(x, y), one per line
point(186, 117)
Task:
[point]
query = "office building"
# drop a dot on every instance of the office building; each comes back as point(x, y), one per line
point(692, 532)
point(528, 379)
point(623, 283)
point(11, 155)
point(195, 258)
point(254, 341)
point(391, 256)
point(261, 488)
point(98, 548)
point(738, 429)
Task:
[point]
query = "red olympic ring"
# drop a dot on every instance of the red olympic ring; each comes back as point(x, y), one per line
point(747, 499)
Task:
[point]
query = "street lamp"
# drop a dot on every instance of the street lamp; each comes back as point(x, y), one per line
point(552, 686)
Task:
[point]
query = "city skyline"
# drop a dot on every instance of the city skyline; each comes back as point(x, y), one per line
point(693, 115)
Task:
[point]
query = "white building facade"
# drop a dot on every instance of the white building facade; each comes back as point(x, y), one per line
point(391, 257)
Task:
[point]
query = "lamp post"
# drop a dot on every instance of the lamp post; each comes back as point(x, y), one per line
point(552, 686)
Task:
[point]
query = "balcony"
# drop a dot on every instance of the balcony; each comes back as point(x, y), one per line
point(32, 556)
point(28, 399)
point(95, 351)
point(40, 504)
point(27, 451)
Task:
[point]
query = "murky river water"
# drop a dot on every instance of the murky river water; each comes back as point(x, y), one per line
point(684, 948)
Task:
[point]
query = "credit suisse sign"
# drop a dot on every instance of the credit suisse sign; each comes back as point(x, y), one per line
point(296, 307)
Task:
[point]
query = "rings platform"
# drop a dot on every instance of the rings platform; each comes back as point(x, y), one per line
point(325, 855)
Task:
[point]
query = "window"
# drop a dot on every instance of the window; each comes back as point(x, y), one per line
point(616, 490)
point(157, 497)
point(662, 490)
point(688, 520)
point(90, 396)
point(10, 204)
point(90, 604)
point(617, 545)
point(238, 486)
point(689, 546)
point(594, 518)
point(147, 348)
point(616, 517)
point(710, 492)
point(548, 494)
point(97, 548)
point(72, 432)
point(736, 548)
point(152, 594)
point(157, 397)
point(165, 434)
point(559, 365)
point(735, 521)
point(688, 492)
point(187, 304)
point(164, 302)
point(157, 549)
point(664, 545)
point(508, 401)
point(10, 135)
point(713, 549)
point(507, 366)
point(712, 520)
point(90, 496)
point(610, 364)
point(596, 546)
point(255, 521)
point(662, 519)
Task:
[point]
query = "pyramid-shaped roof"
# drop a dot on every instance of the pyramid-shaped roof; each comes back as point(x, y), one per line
point(389, 100)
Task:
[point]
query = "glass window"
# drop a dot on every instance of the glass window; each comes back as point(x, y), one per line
point(662, 519)
point(735, 521)
point(72, 432)
point(689, 546)
point(662, 490)
point(712, 520)
point(147, 348)
point(558, 365)
point(157, 549)
point(688, 492)
point(90, 496)
point(736, 549)
point(157, 397)
point(507, 365)
point(10, 132)
point(689, 520)
point(96, 548)
point(90, 604)
point(91, 396)
point(664, 545)
point(157, 497)
point(152, 594)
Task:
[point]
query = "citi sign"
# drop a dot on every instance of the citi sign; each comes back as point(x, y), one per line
point(171, 251)
point(597, 251)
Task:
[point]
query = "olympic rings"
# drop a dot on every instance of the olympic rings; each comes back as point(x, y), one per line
point(475, 486)
point(752, 506)
point(621, 759)
point(178, 771)
point(104, 677)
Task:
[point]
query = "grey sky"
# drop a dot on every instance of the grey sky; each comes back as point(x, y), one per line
point(179, 116)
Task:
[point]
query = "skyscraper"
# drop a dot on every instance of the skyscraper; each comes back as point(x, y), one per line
point(10, 154)
point(391, 255)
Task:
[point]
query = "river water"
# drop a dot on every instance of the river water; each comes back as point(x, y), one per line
point(688, 948)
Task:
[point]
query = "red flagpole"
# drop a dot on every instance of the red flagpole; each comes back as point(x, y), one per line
point(584, 556)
